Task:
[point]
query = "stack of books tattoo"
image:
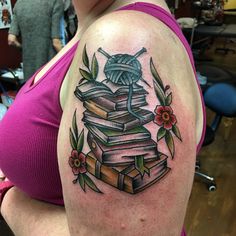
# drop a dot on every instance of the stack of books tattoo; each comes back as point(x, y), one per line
point(122, 151)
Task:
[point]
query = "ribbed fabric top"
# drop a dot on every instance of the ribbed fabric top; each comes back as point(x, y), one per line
point(28, 135)
point(28, 132)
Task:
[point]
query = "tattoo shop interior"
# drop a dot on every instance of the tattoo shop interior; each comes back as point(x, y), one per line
point(210, 29)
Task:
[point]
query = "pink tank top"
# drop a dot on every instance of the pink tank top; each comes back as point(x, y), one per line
point(28, 132)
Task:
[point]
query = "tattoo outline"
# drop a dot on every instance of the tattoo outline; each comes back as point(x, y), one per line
point(122, 153)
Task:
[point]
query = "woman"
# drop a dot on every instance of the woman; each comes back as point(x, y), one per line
point(124, 98)
point(37, 23)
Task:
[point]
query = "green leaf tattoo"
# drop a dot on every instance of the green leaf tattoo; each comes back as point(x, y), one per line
point(86, 75)
point(81, 181)
point(168, 100)
point(159, 93)
point(73, 141)
point(170, 143)
point(74, 125)
point(140, 165)
point(77, 160)
point(156, 75)
point(80, 143)
point(91, 184)
point(164, 113)
point(90, 73)
point(176, 131)
point(94, 67)
point(161, 133)
point(85, 57)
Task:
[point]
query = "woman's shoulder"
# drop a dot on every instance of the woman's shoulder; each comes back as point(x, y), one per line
point(129, 31)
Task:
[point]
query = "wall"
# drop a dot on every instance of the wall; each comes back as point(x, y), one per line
point(9, 56)
point(185, 9)
point(230, 4)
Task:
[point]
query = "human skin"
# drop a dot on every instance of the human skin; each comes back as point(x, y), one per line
point(57, 44)
point(160, 209)
point(13, 41)
point(164, 203)
point(45, 219)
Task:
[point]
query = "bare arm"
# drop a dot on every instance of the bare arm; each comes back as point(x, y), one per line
point(57, 44)
point(27, 216)
point(111, 159)
point(13, 41)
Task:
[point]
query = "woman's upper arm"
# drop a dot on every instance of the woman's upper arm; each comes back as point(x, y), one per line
point(127, 141)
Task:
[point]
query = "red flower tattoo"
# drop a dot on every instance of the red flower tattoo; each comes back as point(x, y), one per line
point(165, 117)
point(77, 162)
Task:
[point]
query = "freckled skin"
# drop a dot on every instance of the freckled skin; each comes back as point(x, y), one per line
point(122, 226)
point(142, 219)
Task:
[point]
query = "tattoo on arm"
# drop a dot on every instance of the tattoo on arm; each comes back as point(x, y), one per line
point(122, 152)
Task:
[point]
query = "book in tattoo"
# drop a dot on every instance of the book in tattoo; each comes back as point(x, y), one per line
point(104, 112)
point(123, 123)
point(113, 137)
point(127, 178)
point(122, 154)
point(119, 103)
point(94, 89)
